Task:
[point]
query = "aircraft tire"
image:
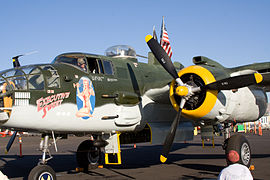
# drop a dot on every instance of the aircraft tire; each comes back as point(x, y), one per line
point(42, 172)
point(240, 144)
point(88, 156)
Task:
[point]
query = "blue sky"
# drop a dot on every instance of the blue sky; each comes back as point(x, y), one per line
point(233, 32)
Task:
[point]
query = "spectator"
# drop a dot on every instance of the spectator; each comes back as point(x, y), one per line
point(234, 170)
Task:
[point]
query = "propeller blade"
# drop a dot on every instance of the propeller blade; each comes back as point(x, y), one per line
point(15, 59)
point(16, 62)
point(235, 82)
point(11, 140)
point(170, 136)
point(162, 57)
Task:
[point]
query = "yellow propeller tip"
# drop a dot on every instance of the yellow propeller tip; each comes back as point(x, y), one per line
point(163, 159)
point(258, 77)
point(6, 152)
point(148, 37)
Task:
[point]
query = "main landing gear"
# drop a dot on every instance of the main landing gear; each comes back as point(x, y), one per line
point(89, 153)
point(43, 171)
point(88, 156)
point(238, 143)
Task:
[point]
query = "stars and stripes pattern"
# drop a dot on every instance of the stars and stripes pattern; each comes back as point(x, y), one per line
point(164, 40)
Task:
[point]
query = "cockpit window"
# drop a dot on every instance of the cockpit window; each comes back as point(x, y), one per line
point(79, 61)
point(66, 59)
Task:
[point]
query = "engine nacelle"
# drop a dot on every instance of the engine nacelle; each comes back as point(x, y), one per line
point(245, 104)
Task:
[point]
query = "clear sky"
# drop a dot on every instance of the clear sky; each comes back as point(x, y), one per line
point(233, 32)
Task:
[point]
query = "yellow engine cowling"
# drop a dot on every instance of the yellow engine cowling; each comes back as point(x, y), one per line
point(209, 97)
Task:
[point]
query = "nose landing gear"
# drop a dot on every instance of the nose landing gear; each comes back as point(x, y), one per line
point(43, 171)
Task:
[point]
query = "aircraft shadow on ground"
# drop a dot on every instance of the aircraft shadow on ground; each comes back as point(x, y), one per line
point(142, 157)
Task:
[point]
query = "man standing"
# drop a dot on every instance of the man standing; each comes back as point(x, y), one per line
point(234, 170)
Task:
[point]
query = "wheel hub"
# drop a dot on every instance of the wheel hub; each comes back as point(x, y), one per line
point(245, 153)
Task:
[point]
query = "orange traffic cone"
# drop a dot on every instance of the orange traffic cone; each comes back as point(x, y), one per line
point(255, 131)
point(260, 129)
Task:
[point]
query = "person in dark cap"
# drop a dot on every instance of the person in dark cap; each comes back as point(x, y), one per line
point(234, 170)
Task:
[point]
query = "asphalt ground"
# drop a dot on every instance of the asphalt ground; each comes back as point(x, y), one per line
point(186, 161)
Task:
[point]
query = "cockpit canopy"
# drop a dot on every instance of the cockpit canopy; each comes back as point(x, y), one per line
point(121, 51)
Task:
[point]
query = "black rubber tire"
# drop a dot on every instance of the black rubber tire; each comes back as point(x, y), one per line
point(42, 172)
point(88, 156)
point(240, 144)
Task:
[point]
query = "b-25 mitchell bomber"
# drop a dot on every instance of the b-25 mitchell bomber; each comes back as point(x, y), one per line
point(114, 100)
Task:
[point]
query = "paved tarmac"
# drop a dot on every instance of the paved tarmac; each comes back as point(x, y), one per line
point(186, 161)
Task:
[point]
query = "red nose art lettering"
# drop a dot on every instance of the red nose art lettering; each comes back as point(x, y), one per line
point(50, 102)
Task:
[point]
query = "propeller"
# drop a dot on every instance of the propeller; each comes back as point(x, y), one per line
point(15, 59)
point(16, 62)
point(166, 62)
point(186, 91)
point(11, 140)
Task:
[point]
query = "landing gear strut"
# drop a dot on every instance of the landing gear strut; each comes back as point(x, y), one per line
point(43, 171)
point(238, 143)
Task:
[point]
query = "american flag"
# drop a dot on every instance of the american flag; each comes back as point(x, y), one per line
point(164, 39)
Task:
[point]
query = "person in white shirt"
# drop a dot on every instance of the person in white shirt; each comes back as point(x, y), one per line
point(234, 171)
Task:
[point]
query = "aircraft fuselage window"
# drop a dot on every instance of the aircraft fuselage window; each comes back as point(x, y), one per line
point(35, 79)
point(100, 67)
point(53, 80)
point(13, 72)
point(93, 66)
point(36, 82)
point(108, 69)
point(19, 82)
